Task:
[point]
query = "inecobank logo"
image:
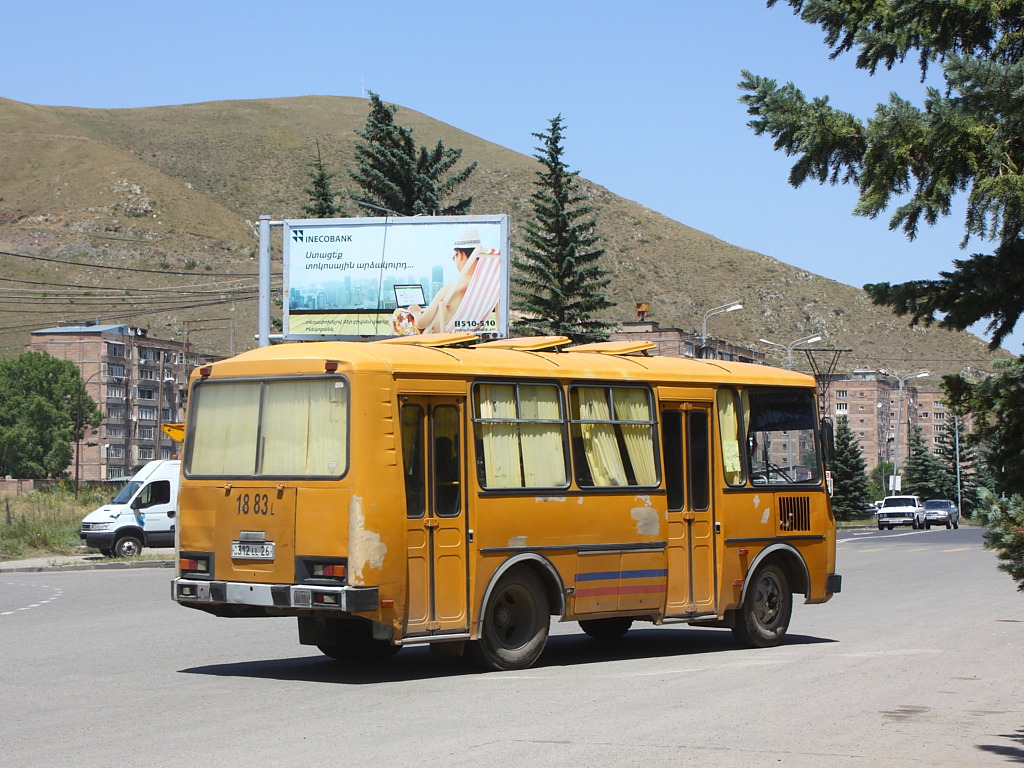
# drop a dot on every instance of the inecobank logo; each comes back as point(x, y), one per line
point(300, 236)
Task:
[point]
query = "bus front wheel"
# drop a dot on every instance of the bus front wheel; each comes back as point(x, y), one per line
point(767, 608)
point(515, 622)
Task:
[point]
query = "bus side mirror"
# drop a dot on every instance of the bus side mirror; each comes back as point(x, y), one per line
point(828, 440)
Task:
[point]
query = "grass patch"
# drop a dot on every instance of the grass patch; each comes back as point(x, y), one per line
point(46, 521)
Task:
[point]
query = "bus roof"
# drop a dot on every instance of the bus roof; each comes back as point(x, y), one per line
point(532, 358)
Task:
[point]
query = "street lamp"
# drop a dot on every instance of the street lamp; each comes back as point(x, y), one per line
point(78, 426)
point(730, 307)
point(789, 347)
point(899, 418)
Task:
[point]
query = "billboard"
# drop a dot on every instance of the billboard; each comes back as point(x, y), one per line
point(380, 277)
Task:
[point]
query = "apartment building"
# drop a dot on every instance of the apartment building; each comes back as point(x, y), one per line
point(874, 403)
point(673, 342)
point(138, 383)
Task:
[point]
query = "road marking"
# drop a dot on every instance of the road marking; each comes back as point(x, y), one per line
point(958, 549)
point(56, 592)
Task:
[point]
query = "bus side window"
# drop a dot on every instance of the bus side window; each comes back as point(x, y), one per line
point(697, 461)
point(672, 449)
point(412, 456)
point(445, 461)
point(729, 429)
point(446, 477)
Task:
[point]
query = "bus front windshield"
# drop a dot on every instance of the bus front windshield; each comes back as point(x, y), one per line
point(782, 445)
point(272, 428)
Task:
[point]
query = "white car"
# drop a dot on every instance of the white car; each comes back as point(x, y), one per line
point(901, 510)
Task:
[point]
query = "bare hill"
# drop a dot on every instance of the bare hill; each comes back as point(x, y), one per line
point(173, 192)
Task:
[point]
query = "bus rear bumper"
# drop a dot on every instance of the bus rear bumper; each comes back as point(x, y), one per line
point(281, 596)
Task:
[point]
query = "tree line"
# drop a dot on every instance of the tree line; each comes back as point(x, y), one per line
point(967, 138)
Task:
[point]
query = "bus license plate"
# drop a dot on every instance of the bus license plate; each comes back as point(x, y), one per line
point(252, 550)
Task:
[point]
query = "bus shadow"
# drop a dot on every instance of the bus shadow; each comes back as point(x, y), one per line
point(566, 650)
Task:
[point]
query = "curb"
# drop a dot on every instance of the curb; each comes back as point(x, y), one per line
point(88, 566)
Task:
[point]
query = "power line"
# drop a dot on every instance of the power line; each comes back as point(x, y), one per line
point(209, 287)
point(130, 314)
point(127, 269)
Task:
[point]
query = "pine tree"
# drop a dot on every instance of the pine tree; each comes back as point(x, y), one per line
point(1004, 521)
point(997, 405)
point(959, 460)
point(850, 486)
point(967, 137)
point(560, 285)
point(321, 196)
point(880, 479)
point(923, 473)
point(395, 177)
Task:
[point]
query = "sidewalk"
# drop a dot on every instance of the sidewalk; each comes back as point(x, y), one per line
point(87, 562)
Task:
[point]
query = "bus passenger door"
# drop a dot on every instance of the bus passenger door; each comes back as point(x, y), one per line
point(686, 437)
point(434, 471)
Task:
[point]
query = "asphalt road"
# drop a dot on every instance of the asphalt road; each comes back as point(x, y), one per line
point(916, 663)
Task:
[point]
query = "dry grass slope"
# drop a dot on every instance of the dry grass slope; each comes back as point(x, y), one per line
point(177, 190)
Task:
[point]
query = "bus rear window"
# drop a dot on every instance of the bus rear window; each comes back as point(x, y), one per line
point(275, 428)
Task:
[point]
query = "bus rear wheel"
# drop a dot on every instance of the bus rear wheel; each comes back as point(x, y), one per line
point(515, 622)
point(606, 630)
point(767, 608)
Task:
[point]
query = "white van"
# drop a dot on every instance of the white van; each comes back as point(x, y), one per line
point(141, 515)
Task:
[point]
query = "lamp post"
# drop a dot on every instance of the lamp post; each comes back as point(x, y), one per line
point(730, 307)
point(789, 347)
point(899, 417)
point(78, 427)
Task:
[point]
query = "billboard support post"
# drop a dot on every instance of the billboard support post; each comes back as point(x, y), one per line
point(263, 324)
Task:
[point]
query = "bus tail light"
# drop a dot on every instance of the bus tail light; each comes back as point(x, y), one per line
point(328, 570)
point(324, 598)
point(194, 565)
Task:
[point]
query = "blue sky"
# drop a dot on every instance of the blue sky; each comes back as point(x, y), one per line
point(647, 91)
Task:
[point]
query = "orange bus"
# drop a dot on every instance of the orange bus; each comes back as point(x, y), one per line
point(435, 489)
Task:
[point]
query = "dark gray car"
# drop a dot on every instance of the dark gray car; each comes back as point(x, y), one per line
point(941, 512)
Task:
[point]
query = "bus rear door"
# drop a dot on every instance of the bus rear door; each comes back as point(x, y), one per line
point(433, 447)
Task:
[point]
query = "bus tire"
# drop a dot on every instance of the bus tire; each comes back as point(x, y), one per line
point(767, 608)
point(128, 545)
point(515, 622)
point(607, 630)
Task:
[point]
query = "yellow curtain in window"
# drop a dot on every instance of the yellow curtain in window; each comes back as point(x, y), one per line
point(304, 428)
point(500, 440)
point(225, 420)
point(599, 445)
point(542, 444)
point(634, 405)
point(728, 425)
